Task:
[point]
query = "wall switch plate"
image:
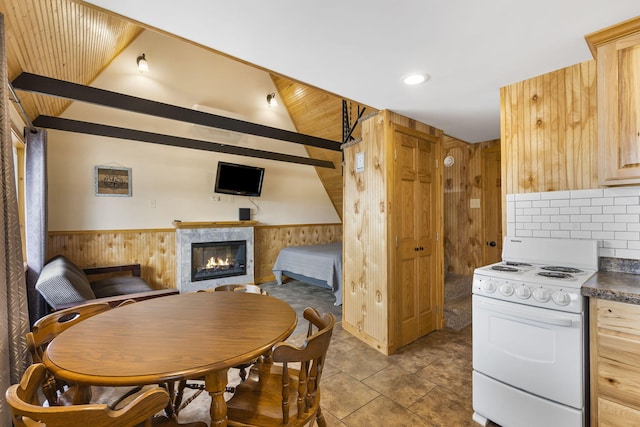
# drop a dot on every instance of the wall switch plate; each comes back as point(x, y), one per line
point(359, 162)
point(474, 203)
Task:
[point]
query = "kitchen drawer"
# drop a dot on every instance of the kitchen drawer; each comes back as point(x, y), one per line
point(618, 381)
point(613, 414)
point(619, 317)
point(615, 363)
point(619, 349)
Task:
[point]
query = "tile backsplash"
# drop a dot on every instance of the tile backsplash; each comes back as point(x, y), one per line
point(610, 215)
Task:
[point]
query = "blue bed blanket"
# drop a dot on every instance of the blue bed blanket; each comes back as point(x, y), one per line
point(321, 262)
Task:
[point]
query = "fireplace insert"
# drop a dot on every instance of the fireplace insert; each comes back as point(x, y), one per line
point(214, 260)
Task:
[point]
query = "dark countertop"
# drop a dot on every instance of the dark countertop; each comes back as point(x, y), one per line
point(615, 286)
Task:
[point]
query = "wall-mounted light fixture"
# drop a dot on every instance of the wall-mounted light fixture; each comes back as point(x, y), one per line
point(271, 100)
point(143, 65)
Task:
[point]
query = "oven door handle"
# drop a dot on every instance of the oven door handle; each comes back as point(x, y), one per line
point(541, 318)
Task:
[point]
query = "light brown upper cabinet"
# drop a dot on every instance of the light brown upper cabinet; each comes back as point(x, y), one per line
point(392, 239)
point(617, 52)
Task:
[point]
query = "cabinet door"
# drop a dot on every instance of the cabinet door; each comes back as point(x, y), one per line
point(619, 110)
point(415, 197)
point(615, 362)
point(613, 414)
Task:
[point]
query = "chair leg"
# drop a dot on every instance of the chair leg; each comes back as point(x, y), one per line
point(177, 396)
point(320, 418)
point(50, 389)
point(243, 374)
point(198, 390)
point(170, 410)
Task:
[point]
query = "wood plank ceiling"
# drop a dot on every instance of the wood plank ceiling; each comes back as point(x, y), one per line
point(72, 41)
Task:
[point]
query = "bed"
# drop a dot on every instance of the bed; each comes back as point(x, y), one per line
point(319, 265)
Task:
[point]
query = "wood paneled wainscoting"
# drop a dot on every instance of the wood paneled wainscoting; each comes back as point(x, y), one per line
point(270, 239)
point(155, 249)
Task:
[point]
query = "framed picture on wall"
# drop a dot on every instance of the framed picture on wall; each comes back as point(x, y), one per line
point(113, 181)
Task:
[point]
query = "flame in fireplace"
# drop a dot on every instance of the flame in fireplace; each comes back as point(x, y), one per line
point(214, 262)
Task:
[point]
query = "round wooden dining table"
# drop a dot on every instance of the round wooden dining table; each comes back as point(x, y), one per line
point(190, 335)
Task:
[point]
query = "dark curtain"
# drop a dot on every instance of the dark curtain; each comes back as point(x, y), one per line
point(36, 216)
point(14, 322)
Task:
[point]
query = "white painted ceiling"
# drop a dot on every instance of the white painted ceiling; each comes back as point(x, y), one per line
point(360, 49)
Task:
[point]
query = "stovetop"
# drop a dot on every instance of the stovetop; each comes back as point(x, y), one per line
point(546, 273)
point(562, 275)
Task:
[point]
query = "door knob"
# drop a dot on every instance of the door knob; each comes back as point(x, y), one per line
point(492, 243)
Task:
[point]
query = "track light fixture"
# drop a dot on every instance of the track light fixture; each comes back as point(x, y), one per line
point(143, 65)
point(271, 100)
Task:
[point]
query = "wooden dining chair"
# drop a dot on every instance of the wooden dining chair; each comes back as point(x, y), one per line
point(27, 410)
point(44, 330)
point(279, 395)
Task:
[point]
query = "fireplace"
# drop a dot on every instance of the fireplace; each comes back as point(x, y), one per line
point(199, 235)
point(214, 260)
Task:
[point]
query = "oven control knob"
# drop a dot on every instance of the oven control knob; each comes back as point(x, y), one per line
point(541, 295)
point(523, 292)
point(488, 286)
point(561, 298)
point(506, 289)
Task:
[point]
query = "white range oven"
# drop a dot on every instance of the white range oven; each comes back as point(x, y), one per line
point(530, 334)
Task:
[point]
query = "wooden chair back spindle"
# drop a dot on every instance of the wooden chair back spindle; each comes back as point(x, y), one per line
point(254, 398)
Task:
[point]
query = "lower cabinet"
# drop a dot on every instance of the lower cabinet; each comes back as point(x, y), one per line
point(615, 363)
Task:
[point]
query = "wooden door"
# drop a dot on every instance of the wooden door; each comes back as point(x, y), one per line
point(415, 218)
point(492, 206)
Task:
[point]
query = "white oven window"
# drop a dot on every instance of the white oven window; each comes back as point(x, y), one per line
point(533, 349)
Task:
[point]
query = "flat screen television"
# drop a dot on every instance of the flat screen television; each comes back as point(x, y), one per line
point(239, 180)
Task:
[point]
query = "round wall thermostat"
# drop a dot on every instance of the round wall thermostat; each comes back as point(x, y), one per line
point(449, 161)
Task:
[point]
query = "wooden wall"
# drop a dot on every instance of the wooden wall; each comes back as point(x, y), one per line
point(268, 241)
point(549, 131)
point(155, 249)
point(368, 308)
point(463, 233)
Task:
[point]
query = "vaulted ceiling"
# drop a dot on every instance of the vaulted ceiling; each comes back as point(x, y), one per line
point(72, 41)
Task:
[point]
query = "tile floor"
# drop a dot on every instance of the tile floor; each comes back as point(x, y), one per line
point(426, 383)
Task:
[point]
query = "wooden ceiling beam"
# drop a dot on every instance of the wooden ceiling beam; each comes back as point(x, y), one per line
point(78, 126)
point(54, 87)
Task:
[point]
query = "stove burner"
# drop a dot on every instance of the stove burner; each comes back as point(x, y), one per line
point(561, 269)
point(554, 274)
point(503, 268)
point(518, 264)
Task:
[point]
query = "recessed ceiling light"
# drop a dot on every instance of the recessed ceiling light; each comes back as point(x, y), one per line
point(415, 79)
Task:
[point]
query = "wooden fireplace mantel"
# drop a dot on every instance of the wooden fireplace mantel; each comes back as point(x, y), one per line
point(221, 224)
